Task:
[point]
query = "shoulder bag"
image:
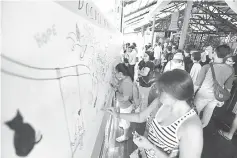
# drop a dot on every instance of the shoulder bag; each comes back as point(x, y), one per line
point(221, 93)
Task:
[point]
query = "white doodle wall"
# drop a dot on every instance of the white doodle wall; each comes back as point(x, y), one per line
point(57, 59)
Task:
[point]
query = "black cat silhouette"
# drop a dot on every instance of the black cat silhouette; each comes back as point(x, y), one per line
point(24, 136)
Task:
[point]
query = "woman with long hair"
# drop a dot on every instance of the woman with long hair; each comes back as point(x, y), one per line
point(176, 128)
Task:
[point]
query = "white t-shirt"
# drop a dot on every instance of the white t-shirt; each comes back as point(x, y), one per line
point(157, 52)
point(132, 57)
point(122, 55)
point(196, 68)
point(171, 65)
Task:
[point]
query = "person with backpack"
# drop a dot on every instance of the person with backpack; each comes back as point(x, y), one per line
point(213, 84)
point(124, 96)
point(145, 73)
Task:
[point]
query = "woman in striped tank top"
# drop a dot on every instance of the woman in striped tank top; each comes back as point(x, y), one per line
point(175, 130)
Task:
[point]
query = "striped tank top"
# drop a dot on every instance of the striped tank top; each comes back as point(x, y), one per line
point(166, 137)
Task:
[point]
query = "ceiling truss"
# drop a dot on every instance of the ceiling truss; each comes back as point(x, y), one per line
point(208, 17)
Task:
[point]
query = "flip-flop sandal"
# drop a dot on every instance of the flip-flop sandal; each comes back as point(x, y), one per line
point(122, 139)
point(222, 134)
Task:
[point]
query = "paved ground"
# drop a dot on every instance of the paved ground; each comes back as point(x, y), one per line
point(216, 146)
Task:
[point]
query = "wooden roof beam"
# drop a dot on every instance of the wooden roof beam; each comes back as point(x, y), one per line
point(213, 13)
point(209, 3)
point(134, 21)
point(164, 10)
point(208, 32)
point(149, 5)
point(136, 16)
point(129, 2)
point(169, 9)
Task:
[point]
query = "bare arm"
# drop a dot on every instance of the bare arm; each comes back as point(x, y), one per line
point(122, 98)
point(201, 76)
point(141, 116)
point(191, 141)
point(229, 81)
point(192, 73)
point(136, 117)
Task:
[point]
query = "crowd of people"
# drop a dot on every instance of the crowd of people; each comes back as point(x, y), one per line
point(175, 92)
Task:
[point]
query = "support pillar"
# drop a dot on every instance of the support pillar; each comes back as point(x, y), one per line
point(121, 21)
point(185, 24)
point(143, 33)
point(194, 41)
point(200, 42)
point(153, 30)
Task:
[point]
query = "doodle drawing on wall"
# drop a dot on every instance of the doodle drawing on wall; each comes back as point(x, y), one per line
point(77, 94)
point(25, 136)
point(76, 39)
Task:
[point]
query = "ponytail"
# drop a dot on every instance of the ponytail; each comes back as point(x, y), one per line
point(190, 102)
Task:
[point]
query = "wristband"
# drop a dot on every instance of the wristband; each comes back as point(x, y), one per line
point(152, 152)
